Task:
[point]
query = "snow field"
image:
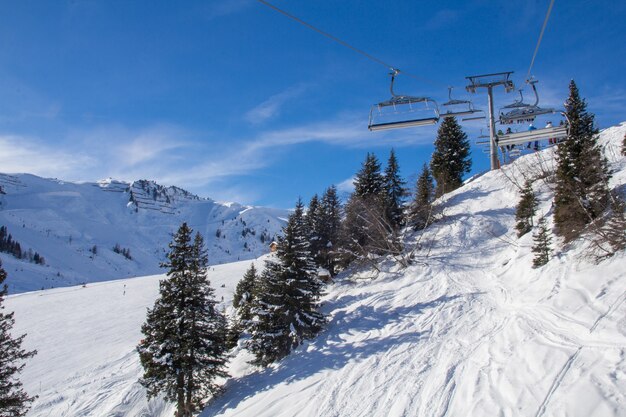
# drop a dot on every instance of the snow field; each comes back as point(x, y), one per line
point(86, 336)
point(470, 329)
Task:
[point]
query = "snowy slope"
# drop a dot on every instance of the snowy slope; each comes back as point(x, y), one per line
point(469, 330)
point(85, 336)
point(63, 221)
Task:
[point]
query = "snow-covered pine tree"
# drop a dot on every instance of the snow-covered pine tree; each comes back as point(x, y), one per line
point(541, 247)
point(525, 210)
point(394, 192)
point(244, 294)
point(312, 213)
point(329, 228)
point(286, 307)
point(366, 223)
point(581, 194)
point(268, 328)
point(615, 229)
point(369, 181)
point(313, 223)
point(183, 350)
point(354, 237)
point(14, 401)
point(303, 285)
point(242, 301)
point(451, 158)
point(421, 211)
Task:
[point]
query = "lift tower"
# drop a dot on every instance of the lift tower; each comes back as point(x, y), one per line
point(489, 81)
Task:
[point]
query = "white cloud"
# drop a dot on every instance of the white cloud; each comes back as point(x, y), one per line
point(20, 154)
point(98, 153)
point(346, 186)
point(346, 130)
point(175, 156)
point(130, 148)
point(611, 104)
point(272, 106)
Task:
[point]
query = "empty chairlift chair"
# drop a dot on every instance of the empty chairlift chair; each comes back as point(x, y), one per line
point(460, 108)
point(402, 111)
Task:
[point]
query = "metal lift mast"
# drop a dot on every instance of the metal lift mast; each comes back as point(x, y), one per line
point(489, 81)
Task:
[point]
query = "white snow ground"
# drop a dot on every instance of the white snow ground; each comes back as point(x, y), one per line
point(85, 336)
point(469, 330)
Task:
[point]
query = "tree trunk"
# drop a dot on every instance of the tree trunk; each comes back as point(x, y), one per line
point(180, 393)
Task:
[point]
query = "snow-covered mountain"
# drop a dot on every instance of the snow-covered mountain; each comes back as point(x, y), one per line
point(470, 329)
point(76, 226)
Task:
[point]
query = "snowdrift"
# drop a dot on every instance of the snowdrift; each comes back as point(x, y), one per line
point(470, 329)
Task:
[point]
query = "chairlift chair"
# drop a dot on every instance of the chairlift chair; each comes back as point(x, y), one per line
point(459, 111)
point(520, 112)
point(517, 138)
point(481, 116)
point(485, 138)
point(401, 110)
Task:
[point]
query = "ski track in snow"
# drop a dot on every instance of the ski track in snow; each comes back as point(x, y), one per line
point(469, 330)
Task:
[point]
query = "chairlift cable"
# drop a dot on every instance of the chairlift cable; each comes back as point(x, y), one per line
point(545, 23)
point(345, 44)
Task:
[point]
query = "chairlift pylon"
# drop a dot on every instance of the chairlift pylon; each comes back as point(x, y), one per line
point(459, 112)
point(521, 112)
point(400, 111)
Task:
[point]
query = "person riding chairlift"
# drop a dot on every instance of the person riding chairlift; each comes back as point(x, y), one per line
point(530, 129)
point(551, 141)
point(508, 132)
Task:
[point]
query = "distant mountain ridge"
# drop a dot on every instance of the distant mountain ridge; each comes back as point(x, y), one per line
point(76, 226)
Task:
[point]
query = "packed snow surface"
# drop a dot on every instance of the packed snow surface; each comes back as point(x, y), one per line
point(470, 329)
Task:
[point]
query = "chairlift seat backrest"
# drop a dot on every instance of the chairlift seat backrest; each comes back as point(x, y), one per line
point(456, 111)
point(402, 123)
point(557, 132)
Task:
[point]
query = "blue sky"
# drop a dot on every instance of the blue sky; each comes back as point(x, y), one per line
point(234, 101)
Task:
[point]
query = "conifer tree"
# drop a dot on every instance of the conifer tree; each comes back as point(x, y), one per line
point(285, 309)
point(244, 294)
point(541, 247)
point(312, 214)
point(369, 181)
point(366, 219)
point(525, 210)
point(269, 329)
point(14, 401)
point(183, 350)
point(581, 193)
point(422, 207)
point(451, 158)
point(615, 230)
point(624, 145)
point(313, 224)
point(354, 235)
point(394, 191)
point(329, 224)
